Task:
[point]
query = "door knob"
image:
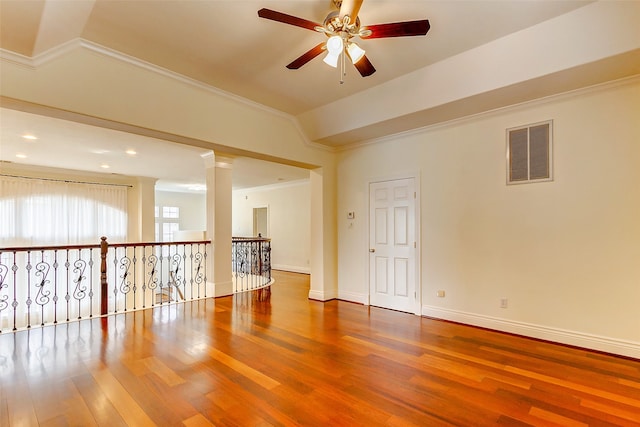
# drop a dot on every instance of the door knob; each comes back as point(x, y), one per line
point(372, 250)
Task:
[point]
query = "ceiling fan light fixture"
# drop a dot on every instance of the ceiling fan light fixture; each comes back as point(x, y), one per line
point(331, 59)
point(335, 47)
point(356, 53)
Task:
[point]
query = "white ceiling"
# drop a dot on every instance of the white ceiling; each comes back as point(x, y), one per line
point(224, 44)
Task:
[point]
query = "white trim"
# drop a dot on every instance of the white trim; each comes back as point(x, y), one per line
point(563, 336)
point(16, 58)
point(291, 268)
point(321, 295)
point(354, 297)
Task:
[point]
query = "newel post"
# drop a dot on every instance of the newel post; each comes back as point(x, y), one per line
point(104, 300)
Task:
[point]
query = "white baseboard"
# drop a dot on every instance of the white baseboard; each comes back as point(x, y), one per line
point(578, 339)
point(222, 289)
point(321, 295)
point(354, 297)
point(291, 268)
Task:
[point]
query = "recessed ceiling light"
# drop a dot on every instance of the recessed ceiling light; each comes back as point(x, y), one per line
point(29, 137)
point(104, 166)
point(21, 156)
point(99, 151)
point(131, 152)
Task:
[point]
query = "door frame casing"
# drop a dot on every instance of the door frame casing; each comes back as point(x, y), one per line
point(418, 264)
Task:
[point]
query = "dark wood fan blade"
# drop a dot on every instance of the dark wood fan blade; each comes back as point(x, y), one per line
point(365, 67)
point(287, 19)
point(306, 57)
point(398, 29)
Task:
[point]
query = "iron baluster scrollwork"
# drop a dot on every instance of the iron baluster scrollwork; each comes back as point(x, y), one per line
point(241, 257)
point(174, 278)
point(42, 271)
point(91, 282)
point(199, 271)
point(266, 259)
point(80, 291)
point(251, 262)
point(42, 296)
point(152, 283)
point(125, 283)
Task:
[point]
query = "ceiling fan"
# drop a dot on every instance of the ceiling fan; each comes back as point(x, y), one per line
point(341, 26)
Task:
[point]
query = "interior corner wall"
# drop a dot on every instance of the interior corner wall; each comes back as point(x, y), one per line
point(289, 222)
point(564, 253)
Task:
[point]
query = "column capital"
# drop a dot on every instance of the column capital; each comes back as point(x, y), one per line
point(213, 160)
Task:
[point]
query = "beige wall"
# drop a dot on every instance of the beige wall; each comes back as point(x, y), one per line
point(565, 253)
point(289, 221)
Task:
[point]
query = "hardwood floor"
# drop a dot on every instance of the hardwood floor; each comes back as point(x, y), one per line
point(237, 361)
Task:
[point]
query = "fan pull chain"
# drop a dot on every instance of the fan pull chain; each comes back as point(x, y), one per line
point(343, 70)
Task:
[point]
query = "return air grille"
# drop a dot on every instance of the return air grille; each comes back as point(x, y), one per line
point(529, 153)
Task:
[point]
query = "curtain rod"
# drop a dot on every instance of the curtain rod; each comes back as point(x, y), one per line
point(67, 181)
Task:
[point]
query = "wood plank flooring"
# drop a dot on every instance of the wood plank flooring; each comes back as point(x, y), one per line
point(288, 361)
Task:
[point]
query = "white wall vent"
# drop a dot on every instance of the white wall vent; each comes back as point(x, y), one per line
point(529, 153)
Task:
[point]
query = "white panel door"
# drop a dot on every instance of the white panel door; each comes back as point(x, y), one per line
point(392, 240)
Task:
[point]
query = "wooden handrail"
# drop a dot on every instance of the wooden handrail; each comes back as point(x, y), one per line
point(47, 248)
point(94, 246)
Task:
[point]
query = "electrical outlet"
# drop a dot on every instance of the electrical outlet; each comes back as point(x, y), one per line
point(504, 303)
point(440, 294)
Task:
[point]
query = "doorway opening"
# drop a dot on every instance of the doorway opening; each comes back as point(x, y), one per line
point(261, 222)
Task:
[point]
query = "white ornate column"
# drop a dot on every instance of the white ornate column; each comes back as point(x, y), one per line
point(219, 216)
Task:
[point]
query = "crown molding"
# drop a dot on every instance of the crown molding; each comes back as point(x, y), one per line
point(78, 43)
point(496, 111)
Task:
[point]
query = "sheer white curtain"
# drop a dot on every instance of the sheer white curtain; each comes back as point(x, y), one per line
point(37, 212)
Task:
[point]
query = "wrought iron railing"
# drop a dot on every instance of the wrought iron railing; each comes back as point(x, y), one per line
point(51, 284)
point(251, 263)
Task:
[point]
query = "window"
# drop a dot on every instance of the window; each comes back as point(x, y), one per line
point(170, 212)
point(36, 212)
point(167, 222)
point(167, 231)
point(529, 153)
